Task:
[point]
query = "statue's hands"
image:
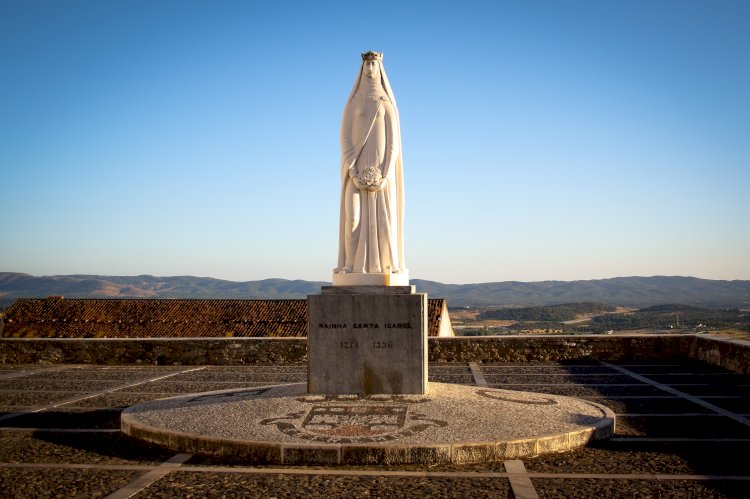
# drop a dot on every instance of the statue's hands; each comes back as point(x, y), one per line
point(373, 187)
point(371, 180)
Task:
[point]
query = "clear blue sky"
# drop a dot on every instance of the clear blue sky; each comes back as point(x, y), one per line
point(541, 139)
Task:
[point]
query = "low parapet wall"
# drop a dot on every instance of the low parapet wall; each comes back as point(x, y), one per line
point(560, 348)
point(731, 354)
point(734, 355)
point(161, 351)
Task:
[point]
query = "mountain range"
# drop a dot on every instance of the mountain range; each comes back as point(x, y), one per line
point(623, 291)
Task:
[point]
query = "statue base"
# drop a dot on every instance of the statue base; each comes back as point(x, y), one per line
point(357, 279)
point(366, 340)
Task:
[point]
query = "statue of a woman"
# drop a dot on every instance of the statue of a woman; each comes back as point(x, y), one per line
point(371, 248)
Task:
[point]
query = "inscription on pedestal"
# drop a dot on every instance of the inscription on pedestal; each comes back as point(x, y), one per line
point(365, 343)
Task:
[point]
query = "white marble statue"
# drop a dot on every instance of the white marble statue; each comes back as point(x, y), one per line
point(371, 240)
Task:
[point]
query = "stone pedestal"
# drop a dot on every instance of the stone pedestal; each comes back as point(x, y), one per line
point(384, 279)
point(367, 340)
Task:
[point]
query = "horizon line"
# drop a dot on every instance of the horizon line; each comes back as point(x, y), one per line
point(411, 279)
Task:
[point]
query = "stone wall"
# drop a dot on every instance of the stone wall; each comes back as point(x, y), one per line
point(485, 349)
point(730, 354)
point(733, 355)
point(160, 351)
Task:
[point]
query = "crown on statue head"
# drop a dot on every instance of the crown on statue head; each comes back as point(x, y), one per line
point(372, 56)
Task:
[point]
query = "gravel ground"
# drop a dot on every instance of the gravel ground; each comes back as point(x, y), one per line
point(17, 367)
point(77, 448)
point(459, 379)
point(62, 483)
point(170, 386)
point(571, 379)
point(671, 405)
point(33, 398)
point(496, 467)
point(585, 391)
point(71, 418)
point(100, 373)
point(630, 489)
point(203, 376)
point(726, 390)
point(546, 368)
point(240, 376)
point(119, 399)
point(706, 458)
point(686, 367)
point(693, 427)
point(257, 368)
point(63, 385)
point(185, 484)
point(448, 369)
point(739, 405)
point(715, 378)
point(551, 370)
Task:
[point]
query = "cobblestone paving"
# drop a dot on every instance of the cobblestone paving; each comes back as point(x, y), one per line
point(585, 391)
point(77, 448)
point(56, 482)
point(118, 399)
point(738, 405)
point(666, 444)
point(668, 404)
point(629, 489)
point(20, 398)
point(181, 484)
point(558, 379)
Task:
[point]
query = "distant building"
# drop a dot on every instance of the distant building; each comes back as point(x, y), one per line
point(57, 317)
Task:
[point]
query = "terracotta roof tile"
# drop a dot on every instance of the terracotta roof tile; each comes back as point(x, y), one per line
point(165, 318)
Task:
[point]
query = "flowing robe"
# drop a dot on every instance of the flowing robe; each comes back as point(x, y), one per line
point(371, 234)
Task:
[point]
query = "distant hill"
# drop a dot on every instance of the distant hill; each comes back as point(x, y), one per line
point(624, 291)
point(16, 285)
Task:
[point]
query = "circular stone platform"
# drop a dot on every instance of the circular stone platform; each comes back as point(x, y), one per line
point(450, 424)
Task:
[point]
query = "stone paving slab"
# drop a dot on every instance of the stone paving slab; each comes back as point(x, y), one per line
point(283, 424)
